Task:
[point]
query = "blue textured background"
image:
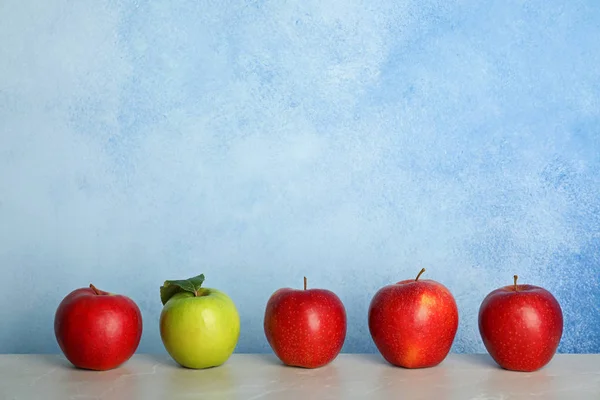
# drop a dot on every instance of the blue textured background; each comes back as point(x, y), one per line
point(353, 142)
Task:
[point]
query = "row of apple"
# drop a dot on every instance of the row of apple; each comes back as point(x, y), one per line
point(413, 324)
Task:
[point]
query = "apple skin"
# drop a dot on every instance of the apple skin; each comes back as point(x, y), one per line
point(521, 326)
point(305, 328)
point(97, 330)
point(200, 331)
point(413, 323)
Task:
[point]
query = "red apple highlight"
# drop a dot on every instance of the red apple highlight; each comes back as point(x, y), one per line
point(521, 326)
point(305, 328)
point(413, 323)
point(97, 330)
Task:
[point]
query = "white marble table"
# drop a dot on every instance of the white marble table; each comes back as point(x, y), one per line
point(246, 376)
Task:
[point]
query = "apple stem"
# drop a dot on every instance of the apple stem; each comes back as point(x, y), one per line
point(94, 289)
point(304, 283)
point(418, 276)
point(516, 287)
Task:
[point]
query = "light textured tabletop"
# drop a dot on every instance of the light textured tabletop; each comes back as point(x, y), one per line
point(245, 376)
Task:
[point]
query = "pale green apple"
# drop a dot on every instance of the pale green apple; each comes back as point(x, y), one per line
point(199, 327)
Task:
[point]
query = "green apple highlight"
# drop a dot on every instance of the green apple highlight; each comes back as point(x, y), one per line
point(199, 327)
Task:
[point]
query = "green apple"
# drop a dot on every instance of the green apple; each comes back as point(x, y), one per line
point(199, 327)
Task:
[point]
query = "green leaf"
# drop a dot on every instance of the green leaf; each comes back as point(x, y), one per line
point(170, 288)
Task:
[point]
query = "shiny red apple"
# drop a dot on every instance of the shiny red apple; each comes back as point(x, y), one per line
point(97, 330)
point(305, 328)
point(413, 322)
point(521, 326)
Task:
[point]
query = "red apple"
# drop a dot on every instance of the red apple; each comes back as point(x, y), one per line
point(97, 330)
point(305, 328)
point(521, 326)
point(413, 322)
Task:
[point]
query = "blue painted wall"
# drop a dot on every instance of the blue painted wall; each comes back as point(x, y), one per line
point(256, 142)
